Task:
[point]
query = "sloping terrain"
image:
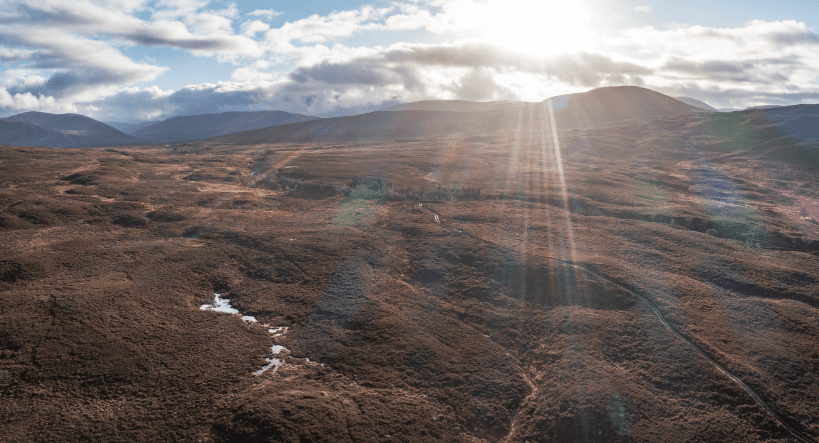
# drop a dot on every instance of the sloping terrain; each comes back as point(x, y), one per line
point(799, 121)
point(193, 127)
point(454, 106)
point(27, 134)
point(590, 109)
point(85, 131)
point(595, 284)
point(617, 103)
point(130, 128)
point(697, 103)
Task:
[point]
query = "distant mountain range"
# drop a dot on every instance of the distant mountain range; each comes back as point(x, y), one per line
point(429, 118)
point(697, 103)
point(435, 118)
point(467, 106)
point(130, 128)
point(78, 131)
point(800, 121)
point(62, 131)
point(193, 127)
point(27, 134)
point(454, 106)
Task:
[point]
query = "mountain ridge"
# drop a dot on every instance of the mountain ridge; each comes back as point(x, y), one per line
point(195, 127)
point(92, 132)
point(593, 108)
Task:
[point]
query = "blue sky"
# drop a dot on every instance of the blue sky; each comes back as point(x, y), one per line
point(137, 60)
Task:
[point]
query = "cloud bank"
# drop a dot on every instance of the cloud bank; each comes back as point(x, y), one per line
point(70, 56)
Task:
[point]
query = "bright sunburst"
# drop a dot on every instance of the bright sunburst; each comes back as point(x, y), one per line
point(538, 28)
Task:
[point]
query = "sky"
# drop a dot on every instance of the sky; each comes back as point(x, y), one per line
point(139, 60)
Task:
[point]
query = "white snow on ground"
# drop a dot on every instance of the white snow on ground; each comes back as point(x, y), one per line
point(277, 349)
point(271, 363)
point(223, 305)
point(220, 305)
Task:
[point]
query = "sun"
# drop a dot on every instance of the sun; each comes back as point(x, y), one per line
point(543, 27)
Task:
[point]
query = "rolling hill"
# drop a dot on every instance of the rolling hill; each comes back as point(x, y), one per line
point(82, 130)
point(27, 134)
point(697, 103)
point(193, 127)
point(130, 128)
point(594, 108)
point(454, 106)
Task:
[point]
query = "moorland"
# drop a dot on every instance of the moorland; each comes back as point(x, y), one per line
point(615, 266)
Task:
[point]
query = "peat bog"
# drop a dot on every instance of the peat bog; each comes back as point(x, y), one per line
point(465, 287)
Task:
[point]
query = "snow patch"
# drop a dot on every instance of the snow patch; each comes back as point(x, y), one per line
point(220, 305)
point(278, 332)
point(272, 363)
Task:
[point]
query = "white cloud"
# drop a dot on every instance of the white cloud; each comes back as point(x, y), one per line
point(252, 27)
point(645, 9)
point(266, 13)
point(68, 55)
point(203, 33)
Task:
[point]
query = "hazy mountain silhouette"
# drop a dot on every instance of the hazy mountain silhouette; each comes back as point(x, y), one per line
point(27, 134)
point(130, 128)
point(594, 108)
point(697, 103)
point(454, 106)
point(798, 121)
point(193, 127)
point(61, 131)
point(616, 103)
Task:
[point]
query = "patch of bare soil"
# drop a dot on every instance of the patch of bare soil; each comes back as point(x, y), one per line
point(525, 315)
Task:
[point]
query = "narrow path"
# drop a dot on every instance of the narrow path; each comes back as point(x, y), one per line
point(796, 433)
point(513, 426)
